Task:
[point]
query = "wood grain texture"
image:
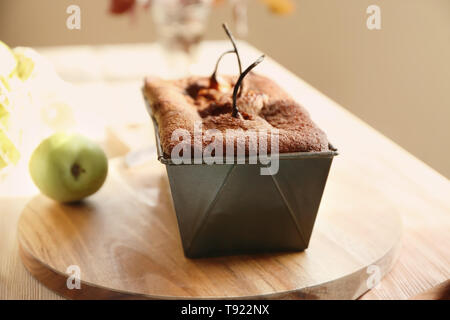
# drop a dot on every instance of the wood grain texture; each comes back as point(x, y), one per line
point(126, 242)
point(418, 193)
point(439, 292)
point(15, 281)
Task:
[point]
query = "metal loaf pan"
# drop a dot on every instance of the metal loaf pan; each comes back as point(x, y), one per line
point(228, 209)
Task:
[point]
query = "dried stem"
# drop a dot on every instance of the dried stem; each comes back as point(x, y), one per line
point(213, 79)
point(238, 87)
point(213, 83)
point(230, 35)
point(235, 112)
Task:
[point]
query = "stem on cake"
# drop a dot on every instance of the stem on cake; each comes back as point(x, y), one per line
point(233, 42)
point(213, 83)
point(235, 112)
point(213, 79)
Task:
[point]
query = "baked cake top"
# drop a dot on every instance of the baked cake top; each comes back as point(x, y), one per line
point(263, 105)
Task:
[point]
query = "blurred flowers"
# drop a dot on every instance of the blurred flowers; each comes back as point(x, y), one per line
point(31, 103)
point(281, 7)
point(180, 25)
point(10, 85)
point(124, 6)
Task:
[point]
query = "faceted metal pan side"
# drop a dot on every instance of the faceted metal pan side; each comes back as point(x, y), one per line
point(228, 209)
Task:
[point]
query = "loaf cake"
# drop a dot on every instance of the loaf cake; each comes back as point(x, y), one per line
point(263, 105)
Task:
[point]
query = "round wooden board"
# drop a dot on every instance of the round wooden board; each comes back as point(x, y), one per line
point(125, 241)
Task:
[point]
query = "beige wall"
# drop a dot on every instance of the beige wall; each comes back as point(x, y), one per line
point(396, 79)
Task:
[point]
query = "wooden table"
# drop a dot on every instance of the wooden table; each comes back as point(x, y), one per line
point(107, 100)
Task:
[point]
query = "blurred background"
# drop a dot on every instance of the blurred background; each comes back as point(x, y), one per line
point(397, 79)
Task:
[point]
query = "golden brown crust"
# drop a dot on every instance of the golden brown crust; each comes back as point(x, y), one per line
point(180, 104)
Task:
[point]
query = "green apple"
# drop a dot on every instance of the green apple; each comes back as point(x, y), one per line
point(68, 167)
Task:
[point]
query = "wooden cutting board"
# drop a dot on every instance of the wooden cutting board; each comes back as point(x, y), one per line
point(125, 243)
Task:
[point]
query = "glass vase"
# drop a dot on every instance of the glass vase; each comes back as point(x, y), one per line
point(180, 27)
